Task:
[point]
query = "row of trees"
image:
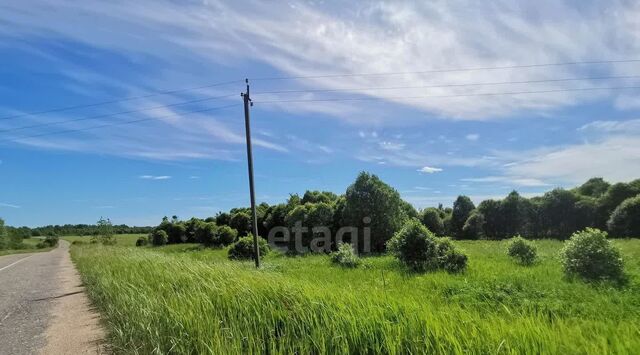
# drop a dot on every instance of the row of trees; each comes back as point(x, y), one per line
point(73, 229)
point(371, 205)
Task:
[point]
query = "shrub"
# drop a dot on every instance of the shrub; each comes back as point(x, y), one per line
point(625, 219)
point(473, 227)
point(142, 241)
point(590, 256)
point(48, 242)
point(415, 246)
point(206, 233)
point(159, 237)
point(449, 258)
point(243, 248)
point(226, 235)
point(431, 219)
point(241, 221)
point(345, 256)
point(522, 250)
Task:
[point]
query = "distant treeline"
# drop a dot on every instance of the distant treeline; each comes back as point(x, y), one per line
point(72, 229)
point(556, 214)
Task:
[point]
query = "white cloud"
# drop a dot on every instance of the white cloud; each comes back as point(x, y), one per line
point(627, 127)
point(154, 177)
point(391, 145)
point(512, 180)
point(472, 136)
point(2, 204)
point(429, 170)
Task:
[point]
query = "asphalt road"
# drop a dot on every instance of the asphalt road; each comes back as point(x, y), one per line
point(29, 284)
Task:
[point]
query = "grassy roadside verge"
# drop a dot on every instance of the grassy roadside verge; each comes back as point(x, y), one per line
point(30, 243)
point(182, 300)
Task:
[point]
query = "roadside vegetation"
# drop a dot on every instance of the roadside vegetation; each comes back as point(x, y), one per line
point(545, 266)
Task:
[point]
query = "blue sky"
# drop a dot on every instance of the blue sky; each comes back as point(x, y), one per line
point(57, 54)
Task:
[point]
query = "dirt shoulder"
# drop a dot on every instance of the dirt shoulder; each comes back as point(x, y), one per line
point(75, 326)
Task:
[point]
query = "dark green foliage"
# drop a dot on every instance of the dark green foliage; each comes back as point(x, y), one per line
point(409, 210)
point(243, 248)
point(142, 241)
point(345, 256)
point(241, 221)
point(48, 242)
point(492, 213)
point(369, 197)
point(318, 196)
point(625, 219)
point(226, 235)
point(614, 196)
point(559, 214)
point(3, 235)
point(158, 237)
point(449, 258)
point(594, 187)
point(473, 227)
point(522, 250)
point(431, 218)
point(222, 219)
point(417, 248)
point(462, 208)
point(591, 257)
point(275, 217)
point(206, 233)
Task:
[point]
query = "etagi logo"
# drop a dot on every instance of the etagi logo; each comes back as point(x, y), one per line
point(318, 239)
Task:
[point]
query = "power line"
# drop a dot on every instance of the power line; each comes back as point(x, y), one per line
point(116, 113)
point(446, 96)
point(130, 98)
point(114, 124)
point(447, 70)
point(446, 85)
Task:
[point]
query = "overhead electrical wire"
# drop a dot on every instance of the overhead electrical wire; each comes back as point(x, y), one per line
point(448, 70)
point(116, 113)
point(445, 85)
point(124, 99)
point(446, 96)
point(116, 124)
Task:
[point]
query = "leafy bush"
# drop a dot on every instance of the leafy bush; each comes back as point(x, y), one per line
point(243, 248)
point(431, 219)
point(226, 235)
point(158, 237)
point(449, 258)
point(417, 248)
point(142, 241)
point(625, 219)
point(522, 250)
point(241, 221)
point(48, 242)
point(590, 256)
point(345, 256)
point(206, 233)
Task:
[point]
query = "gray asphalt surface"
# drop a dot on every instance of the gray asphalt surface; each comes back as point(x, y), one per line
point(28, 286)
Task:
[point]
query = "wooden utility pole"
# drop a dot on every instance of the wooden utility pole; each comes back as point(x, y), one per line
point(254, 214)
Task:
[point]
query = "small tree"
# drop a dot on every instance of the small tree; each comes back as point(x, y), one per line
point(105, 231)
point(415, 246)
point(159, 238)
point(590, 256)
point(522, 250)
point(473, 227)
point(243, 248)
point(206, 233)
point(462, 208)
point(431, 219)
point(226, 235)
point(241, 221)
point(625, 219)
point(345, 256)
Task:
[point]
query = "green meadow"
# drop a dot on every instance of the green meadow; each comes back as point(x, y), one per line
point(188, 299)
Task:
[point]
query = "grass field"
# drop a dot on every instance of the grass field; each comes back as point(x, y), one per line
point(30, 244)
point(183, 299)
point(123, 239)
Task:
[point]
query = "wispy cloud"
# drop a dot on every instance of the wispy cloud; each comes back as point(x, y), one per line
point(154, 177)
point(429, 170)
point(472, 137)
point(9, 205)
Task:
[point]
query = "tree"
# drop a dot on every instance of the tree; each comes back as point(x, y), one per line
point(319, 196)
point(558, 213)
point(206, 233)
point(462, 208)
point(222, 219)
point(431, 219)
point(625, 219)
point(594, 187)
point(474, 226)
point(105, 231)
point(614, 196)
point(241, 221)
point(369, 197)
point(159, 237)
point(3, 235)
point(513, 215)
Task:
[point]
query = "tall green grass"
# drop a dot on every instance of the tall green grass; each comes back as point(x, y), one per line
point(185, 300)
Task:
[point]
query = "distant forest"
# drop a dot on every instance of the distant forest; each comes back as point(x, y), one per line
point(72, 229)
